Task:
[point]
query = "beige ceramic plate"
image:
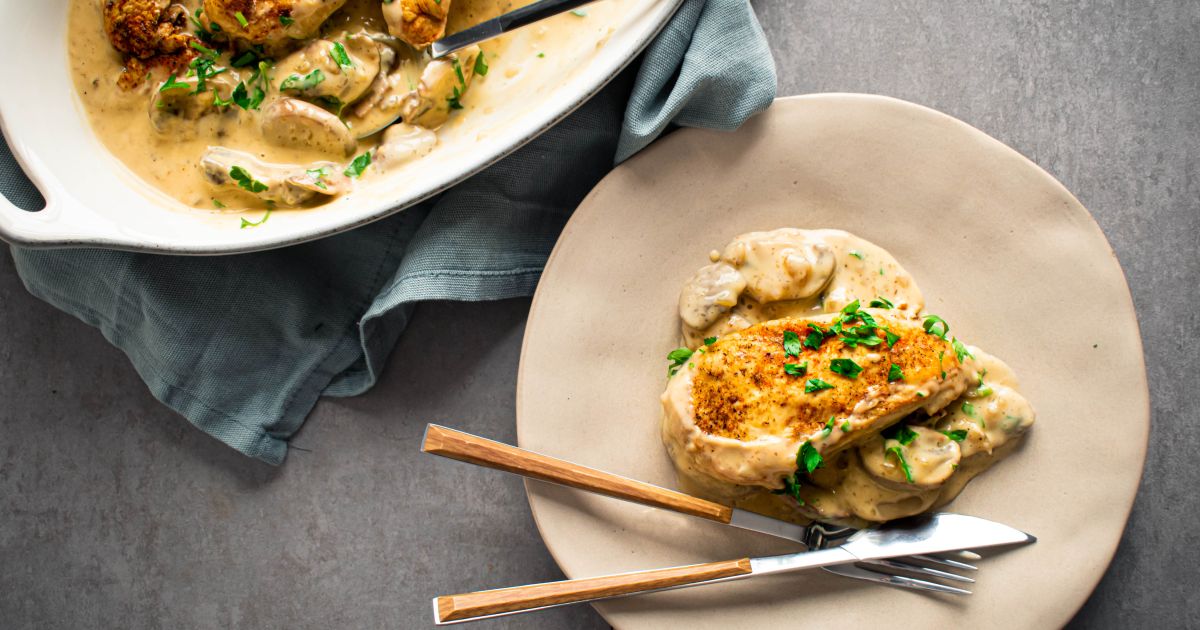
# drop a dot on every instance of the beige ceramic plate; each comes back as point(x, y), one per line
point(1001, 250)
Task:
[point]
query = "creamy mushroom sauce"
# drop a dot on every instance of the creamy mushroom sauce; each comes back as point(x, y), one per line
point(761, 276)
point(165, 137)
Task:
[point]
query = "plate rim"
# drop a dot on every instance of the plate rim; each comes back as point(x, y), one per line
point(1142, 386)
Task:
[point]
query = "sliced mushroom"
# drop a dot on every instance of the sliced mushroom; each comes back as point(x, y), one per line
point(293, 123)
point(336, 70)
point(270, 21)
point(403, 143)
point(418, 22)
point(443, 83)
point(930, 457)
point(175, 108)
point(287, 184)
point(781, 264)
point(383, 104)
point(711, 292)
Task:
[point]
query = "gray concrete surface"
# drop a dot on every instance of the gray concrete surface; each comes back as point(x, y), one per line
point(114, 512)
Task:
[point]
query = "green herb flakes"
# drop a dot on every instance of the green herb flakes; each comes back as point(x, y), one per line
point(246, 181)
point(360, 164)
point(895, 373)
point(898, 453)
point(796, 369)
point(935, 326)
point(845, 367)
point(791, 343)
point(957, 435)
point(677, 357)
point(815, 385)
point(808, 458)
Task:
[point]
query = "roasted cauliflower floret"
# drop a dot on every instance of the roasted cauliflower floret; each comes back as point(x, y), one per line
point(418, 22)
point(150, 33)
point(270, 21)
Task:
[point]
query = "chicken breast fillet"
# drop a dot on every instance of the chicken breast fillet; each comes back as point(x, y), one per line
point(740, 408)
point(270, 21)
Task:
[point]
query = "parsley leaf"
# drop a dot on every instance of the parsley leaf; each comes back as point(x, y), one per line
point(857, 254)
point(936, 326)
point(286, 20)
point(815, 385)
point(246, 224)
point(808, 458)
point(882, 302)
point(172, 84)
point(957, 435)
point(796, 369)
point(302, 83)
point(360, 164)
point(899, 454)
point(241, 19)
point(846, 427)
point(677, 357)
point(960, 350)
point(791, 343)
point(828, 428)
point(708, 341)
point(791, 487)
point(481, 67)
point(895, 373)
point(892, 338)
point(340, 57)
point(968, 409)
point(845, 367)
point(813, 339)
point(247, 181)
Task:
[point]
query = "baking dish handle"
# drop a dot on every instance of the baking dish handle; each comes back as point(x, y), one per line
point(64, 222)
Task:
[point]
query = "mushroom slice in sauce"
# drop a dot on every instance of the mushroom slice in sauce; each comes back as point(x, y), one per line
point(337, 70)
point(175, 110)
point(290, 122)
point(270, 21)
point(709, 294)
point(418, 22)
point(782, 264)
point(931, 457)
point(383, 104)
point(287, 184)
point(443, 82)
point(403, 143)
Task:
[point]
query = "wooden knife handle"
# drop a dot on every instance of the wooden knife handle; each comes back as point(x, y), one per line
point(506, 600)
point(476, 450)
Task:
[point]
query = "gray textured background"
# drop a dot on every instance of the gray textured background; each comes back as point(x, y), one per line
point(115, 512)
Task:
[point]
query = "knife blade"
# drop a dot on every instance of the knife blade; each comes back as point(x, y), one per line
point(502, 24)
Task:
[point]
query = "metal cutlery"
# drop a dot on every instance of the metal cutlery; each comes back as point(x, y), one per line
point(928, 534)
point(500, 25)
point(473, 449)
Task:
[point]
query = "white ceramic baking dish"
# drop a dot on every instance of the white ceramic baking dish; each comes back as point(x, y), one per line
point(93, 200)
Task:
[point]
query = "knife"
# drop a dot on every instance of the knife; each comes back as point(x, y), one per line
point(498, 26)
point(473, 449)
point(928, 534)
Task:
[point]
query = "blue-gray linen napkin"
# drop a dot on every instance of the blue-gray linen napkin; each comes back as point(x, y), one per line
point(243, 346)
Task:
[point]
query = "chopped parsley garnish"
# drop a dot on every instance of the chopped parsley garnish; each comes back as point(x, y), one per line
point(846, 427)
point(340, 57)
point(882, 302)
point(241, 19)
point(850, 308)
point(172, 84)
point(319, 174)
point(220, 102)
point(857, 254)
point(942, 358)
point(255, 54)
point(246, 181)
point(960, 350)
point(892, 337)
point(901, 433)
point(983, 391)
point(205, 50)
point(796, 369)
point(541, 55)
point(968, 409)
point(359, 165)
point(217, 203)
point(814, 338)
point(845, 367)
point(677, 357)
point(808, 458)
point(244, 100)
point(895, 373)
point(898, 453)
point(481, 67)
point(828, 428)
point(303, 83)
point(935, 326)
point(286, 20)
point(815, 385)
point(957, 435)
point(791, 343)
point(791, 487)
point(246, 224)
point(708, 341)
point(203, 69)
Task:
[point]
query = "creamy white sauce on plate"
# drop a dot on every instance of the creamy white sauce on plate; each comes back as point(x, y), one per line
point(966, 421)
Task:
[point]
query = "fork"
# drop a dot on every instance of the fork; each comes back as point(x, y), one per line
point(898, 572)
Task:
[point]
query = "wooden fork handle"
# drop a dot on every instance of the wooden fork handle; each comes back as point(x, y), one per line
point(507, 600)
point(476, 450)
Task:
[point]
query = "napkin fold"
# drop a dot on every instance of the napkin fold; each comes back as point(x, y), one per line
point(243, 346)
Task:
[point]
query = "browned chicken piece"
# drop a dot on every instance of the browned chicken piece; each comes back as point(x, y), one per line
point(418, 22)
point(150, 33)
point(742, 406)
point(270, 21)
